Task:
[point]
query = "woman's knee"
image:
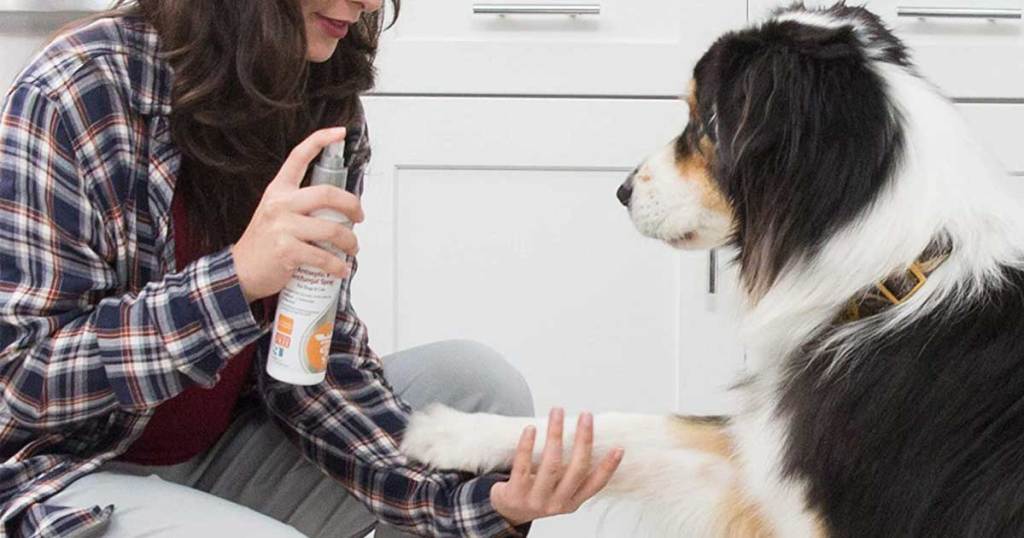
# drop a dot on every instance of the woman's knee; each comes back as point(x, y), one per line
point(472, 377)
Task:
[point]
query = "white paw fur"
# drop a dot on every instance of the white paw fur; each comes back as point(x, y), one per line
point(451, 440)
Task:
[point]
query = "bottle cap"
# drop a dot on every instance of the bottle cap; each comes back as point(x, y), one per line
point(330, 169)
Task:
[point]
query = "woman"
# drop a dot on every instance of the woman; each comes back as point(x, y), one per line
point(150, 210)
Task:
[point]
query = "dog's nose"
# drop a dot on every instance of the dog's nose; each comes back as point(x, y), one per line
point(625, 192)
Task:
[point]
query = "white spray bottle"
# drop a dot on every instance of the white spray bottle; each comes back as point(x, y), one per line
point(304, 323)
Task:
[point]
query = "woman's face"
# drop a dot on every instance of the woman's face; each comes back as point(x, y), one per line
point(328, 21)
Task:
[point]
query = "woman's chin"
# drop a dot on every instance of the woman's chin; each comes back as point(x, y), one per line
point(320, 53)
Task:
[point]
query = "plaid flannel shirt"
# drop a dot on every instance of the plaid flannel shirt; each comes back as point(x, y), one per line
point(97, 329)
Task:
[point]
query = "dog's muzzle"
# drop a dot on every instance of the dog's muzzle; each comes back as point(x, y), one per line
point(625, 192)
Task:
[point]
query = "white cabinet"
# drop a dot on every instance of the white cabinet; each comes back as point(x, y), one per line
point(1000, 127)
point(22, 35)
point(970, 48)
point(496, 219)
point(631, 47)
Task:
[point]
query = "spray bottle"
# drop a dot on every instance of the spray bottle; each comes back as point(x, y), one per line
point(304, 323)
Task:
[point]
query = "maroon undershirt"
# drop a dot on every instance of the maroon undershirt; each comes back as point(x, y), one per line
point(191, 422)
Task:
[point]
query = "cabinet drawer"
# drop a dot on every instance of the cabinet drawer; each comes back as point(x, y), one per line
point(1000, 127)
point(954, 44)
point(631, 47)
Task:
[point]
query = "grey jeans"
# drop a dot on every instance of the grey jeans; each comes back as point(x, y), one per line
point(255, 483)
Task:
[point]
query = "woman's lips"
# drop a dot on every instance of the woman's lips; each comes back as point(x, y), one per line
point(334, 28)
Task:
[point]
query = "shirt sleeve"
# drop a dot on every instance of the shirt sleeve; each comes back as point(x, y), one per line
point(351, 424)
point(76, 341)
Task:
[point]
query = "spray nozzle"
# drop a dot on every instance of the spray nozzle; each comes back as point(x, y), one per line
point(330, 168)
point(333, 156)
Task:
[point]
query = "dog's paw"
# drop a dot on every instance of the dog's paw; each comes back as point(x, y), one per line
point(451, 440)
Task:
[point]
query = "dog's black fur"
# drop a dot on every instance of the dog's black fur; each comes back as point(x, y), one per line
point(921, 434)
point(802, 127)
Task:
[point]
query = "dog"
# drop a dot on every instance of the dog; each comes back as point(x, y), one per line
point(881, 262)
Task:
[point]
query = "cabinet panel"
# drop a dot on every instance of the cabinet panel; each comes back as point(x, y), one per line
point(964, 52)
point(711, 354)
point(1001, 128)
point(496, 219)
point(632, 47)
point(1017, 187)
point(544, 266)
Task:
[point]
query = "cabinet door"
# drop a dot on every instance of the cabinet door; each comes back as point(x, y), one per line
point(631, 47)
point(496, 220)
point(1000, 127)
point(1017, 184)
point(970, 48)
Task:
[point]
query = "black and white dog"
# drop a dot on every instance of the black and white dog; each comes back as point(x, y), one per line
point(883, 268)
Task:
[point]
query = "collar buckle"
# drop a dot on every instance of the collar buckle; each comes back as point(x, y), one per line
point(914, 270)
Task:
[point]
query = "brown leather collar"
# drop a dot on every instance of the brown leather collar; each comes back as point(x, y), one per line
point(898, 287)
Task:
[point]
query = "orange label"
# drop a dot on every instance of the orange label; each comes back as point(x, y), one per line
point(318, 346)
point(285, 324)
point(282, 340)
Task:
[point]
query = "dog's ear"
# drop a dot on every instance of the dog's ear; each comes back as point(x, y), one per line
point(806, 137)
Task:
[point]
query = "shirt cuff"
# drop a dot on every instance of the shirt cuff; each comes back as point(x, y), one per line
point(227, 321)
point(475, 517)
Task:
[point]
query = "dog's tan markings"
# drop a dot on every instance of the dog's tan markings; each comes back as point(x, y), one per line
point(703, 435)
point(741, 518)
point(696, 167)
point(736, 515)
point(691, 96)
point(819, 528)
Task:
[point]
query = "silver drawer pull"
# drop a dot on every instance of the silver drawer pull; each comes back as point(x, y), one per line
point(537, 9)
point(713, 271)
point(959, 13)
point(53, 6)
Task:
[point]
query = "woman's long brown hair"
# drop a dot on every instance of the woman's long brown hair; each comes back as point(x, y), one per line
point(244, 95)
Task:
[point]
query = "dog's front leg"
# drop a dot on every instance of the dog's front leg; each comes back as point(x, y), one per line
point(679, 471)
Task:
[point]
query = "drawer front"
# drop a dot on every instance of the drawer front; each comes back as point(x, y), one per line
point(1000, 127)
point(954, 43)
point(631, 47)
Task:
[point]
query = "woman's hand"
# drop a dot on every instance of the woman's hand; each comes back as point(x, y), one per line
point(555, 488)
point(280, 234)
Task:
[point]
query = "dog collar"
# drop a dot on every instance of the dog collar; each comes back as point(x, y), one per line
point(899, 287)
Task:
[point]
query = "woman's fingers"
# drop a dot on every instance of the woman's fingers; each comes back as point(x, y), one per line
point(303, 254)
point(579, 466)
point(294, 168)
point(553, 490)
point(522, 464)
point(599, 478)
point(511, 495)
point(550, 470)
point(313, 229)
point(308, 200)
point(274, 244)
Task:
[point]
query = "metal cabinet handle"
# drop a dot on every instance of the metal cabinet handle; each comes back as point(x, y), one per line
point(959, 13)
point(53, 6)
point(713, 271)
point(537, 9)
